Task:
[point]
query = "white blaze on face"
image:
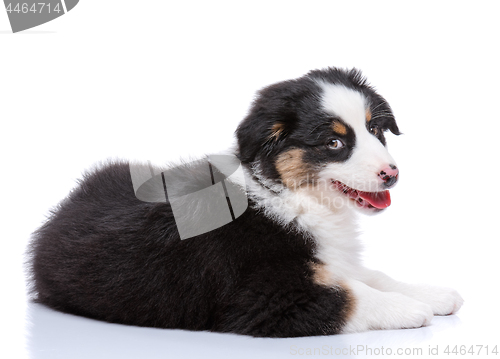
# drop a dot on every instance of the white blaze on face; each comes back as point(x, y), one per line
point(369, 155)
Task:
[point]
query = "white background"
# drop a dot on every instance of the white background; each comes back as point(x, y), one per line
point(158, 80)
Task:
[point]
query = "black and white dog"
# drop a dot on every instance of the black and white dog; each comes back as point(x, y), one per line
point(313, 153)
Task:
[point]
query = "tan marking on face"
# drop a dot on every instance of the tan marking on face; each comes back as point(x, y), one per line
point(368, 115)
point(294, 173)
point(339, 128)
point(276, 131)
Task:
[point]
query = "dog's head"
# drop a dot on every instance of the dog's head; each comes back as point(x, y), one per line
point(323, 133)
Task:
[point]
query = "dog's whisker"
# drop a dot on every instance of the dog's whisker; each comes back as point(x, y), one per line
point(382, 112)
point(380, 104)
point(383, 115)
point(315, 128)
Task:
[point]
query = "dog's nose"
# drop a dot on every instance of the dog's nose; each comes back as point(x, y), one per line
point(389, 175)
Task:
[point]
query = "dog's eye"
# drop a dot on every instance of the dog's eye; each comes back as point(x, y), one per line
point(374, 130)
point(336, 144)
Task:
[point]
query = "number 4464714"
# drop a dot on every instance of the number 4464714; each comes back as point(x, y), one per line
point(36, 8)
point(470, 350)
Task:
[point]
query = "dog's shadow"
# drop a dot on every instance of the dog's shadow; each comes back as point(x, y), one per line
point(52, 334)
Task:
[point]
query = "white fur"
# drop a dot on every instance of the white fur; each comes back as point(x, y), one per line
point(443, 301)
point(384, 310)
point(348, 104)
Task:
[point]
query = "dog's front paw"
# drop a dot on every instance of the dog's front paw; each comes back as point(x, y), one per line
point(385, 310)
point(443, 301)
point(405, 312)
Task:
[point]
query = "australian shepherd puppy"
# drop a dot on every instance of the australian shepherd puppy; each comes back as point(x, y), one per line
point(313, 154)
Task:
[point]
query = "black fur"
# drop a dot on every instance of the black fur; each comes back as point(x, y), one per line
point(105, 254)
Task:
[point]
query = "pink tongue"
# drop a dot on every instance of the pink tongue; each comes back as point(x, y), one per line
point(377, 199)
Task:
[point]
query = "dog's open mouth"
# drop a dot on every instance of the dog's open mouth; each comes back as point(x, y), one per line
point(378, 200)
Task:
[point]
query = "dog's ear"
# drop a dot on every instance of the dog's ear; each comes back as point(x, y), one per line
point(259, 137)
point(271, 119)
point(277, 134)
point(383, 114)
point(393, 127)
